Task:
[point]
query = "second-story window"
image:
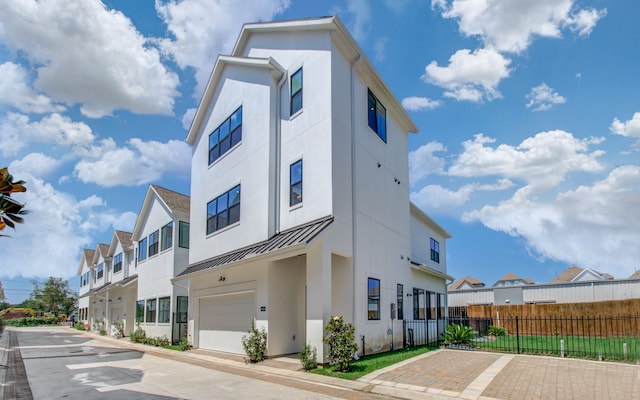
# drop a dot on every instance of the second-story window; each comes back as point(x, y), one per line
point(377, 116)
point(117, 263)
point(225, 136)
point(166, 236)
point(183, 234)
point(400, 301)
point(153, 244)
point(142, 249)
point(295, 183)
point(295, 104)
point(435, 250)
point(100, 271)
point(224, 210)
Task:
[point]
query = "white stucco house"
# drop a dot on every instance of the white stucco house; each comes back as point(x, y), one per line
point(161, 234)
point(86, 271)
point(300, 200)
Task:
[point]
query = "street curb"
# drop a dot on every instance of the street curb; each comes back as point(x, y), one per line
point(4, 359)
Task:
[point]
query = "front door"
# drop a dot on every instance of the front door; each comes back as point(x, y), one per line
point(180, 319)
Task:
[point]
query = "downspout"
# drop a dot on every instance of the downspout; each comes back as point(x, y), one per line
point(353, 194)
point(278, 149)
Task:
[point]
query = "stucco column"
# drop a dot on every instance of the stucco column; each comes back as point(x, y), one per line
point(318, 281)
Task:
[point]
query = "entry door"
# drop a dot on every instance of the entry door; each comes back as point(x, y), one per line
point(180, 318)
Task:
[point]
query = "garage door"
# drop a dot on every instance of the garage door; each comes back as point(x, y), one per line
point(224, 320)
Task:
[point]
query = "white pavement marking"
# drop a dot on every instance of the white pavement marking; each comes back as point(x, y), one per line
point(475, 388)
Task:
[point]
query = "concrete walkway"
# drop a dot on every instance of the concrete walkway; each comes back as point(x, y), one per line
point(437, 375)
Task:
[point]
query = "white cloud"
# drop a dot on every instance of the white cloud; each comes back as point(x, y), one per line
point(85, 53)
point(510, 26)
point(380, 48)
point(423, 161)
point(592, 226)
point(541, 161)
point(361, 11)
point(17, 132)
point(414, 103)
point(187, 118)
point(630, 128)
point(471, 76)
point(202, 29)
point(35, 164)
point(15, 91)
point(137, 164)
point(438, 199)
point(542, 98)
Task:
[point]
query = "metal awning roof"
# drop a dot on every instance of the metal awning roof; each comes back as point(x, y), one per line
point(299, 235)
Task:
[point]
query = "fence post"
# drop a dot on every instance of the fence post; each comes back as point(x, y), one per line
point(517, 336)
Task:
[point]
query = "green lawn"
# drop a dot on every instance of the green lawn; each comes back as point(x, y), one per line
point(374, 362)
point(574, 346)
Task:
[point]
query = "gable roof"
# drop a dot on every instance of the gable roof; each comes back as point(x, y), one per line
point(572, 274)
point(635, 275)
point(471, 281)
point(101, 250)
point(122, 237)
point(174, 202)
point(177, 202)
point(86, 257)
point(510, 276)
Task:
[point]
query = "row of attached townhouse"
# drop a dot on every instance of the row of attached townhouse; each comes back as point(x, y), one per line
point(299, 205)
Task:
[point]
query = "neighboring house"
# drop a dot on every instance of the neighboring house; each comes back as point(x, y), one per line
point(468, 282)
point(86, 271)
point(635, 275)
point(577, 274)
point(511, 279)
point(161, 233)
point(300, 198)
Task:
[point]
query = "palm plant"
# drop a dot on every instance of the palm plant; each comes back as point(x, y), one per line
point(10, 209)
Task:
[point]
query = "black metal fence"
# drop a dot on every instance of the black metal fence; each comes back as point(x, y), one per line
point(599, 338)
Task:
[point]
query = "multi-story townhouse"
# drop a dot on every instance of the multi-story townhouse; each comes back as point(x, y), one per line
point(162, 235)
point(300, 200)
point(85, 271)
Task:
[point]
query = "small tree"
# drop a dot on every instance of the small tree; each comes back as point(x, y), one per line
point(255, 344)
point(340, 338)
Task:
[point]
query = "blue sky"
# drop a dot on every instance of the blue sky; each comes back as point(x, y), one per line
point(528, 111)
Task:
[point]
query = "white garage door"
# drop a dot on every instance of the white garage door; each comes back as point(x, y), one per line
point(224, 320)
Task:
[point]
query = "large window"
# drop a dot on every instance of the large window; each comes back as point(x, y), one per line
point(295, 183)
point(142, 249)
point(435, 250)
point(117, 263)
point(224, 210)
point(432, 305)
point(153, 244)
point(183, 234)
point(100, 271)
point(418, 303)
point(166, 236)
point(373, 294)
point(400, 301)
point(377, 116)
point(164, 310)
point(296, 92)
point(151, 311)
point(225, 136)
point(140, 311)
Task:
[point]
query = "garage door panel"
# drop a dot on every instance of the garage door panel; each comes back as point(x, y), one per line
point(224, 320)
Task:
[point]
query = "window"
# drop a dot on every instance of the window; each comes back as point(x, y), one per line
point(117, 263)
point(373, 294)
point(183, 234)
point(140, 311)
point(435, 250)
point(142, 249)
point(224, 210)
point(418, 303)
point(441, 305)
point(153, 244)
point(100, 271)
point(296, 92)
point(377, 116)
point(151, 311)
point(84, 279)
point(164, 309)
point(225, 136)
point(400, 301)
point(295, 183)
point(431, 305)
point(166, 236)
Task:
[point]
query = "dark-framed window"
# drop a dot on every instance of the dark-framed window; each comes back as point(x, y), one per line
point(100, 271)
point(400, 301)
point(151, 311)
point(183, 234)
point(164, 310)
point(117, 263)
point(140, 311)
point(225, 136)
point(166, 236)
point(435, 250)
point(432, 304)
point(153, 243)
point(224, 210)
point(441, 305)
point(142, 249)
point(295, 104)
point(373, 299)
point(418, 304)
point(295, 183)
point(377, 116)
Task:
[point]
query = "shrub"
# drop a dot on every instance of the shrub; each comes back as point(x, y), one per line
point(118, 330)
point(308, 357)
point(79, 326)
point(20, 322)
point(98, 326)
point(184, 344)
point(458, 334)
point(497, 331)
point(340, 338)
point(255, 344)
point(138, 336)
